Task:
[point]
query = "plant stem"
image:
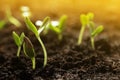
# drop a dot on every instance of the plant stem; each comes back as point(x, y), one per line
point(44, 50)
point(81, 35)
point(33, 62)
point(18, 51)
point(92, 42)
point(60, 36)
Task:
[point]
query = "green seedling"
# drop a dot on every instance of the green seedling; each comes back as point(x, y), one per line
point(11, 19)
point(29, 50)
point(58, 29)
point(85, 20)
point(37, 33)
point(19, 41)
point(95, 32)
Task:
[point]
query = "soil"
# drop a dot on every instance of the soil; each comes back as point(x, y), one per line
point(66, 60)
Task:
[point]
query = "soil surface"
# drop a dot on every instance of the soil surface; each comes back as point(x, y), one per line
point(66, 60)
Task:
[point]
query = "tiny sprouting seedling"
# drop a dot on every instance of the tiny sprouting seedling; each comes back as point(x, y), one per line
point(11, 19)
point(85, 20)
point(94, 32)
point(58, 27)
point(29, 50)
point(37, 33)
point(19, 41)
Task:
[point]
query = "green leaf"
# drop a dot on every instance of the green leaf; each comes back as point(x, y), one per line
point(2, 24)
point(91, 26)
point(11, 18)
point(90, 16)
point(28, 48)
point(31, 26)
point(55, 29)
point(16, 39)
point(45, 21)
point(83, 19)
point(98, 30)
point(44, 24)
point(14, 21)
point(22, 36)
point(62, 21)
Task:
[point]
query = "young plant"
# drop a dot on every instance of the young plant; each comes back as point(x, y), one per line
point(19, 41)
point(85, 20)
point(29, 50)
point(11, 19)
point(94, 32)
point(37, 33)
point(58, 29)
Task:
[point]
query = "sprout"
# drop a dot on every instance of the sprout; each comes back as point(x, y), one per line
point(9, 18)
point(33, 28)
point(19, 41)
point(12, 19)
point(86, 20)
point(29, 50)
point(58, 26)
point(94, 33)
point(27, 46)
point(83, 22)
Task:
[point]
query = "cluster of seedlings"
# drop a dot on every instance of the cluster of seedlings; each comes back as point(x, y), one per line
point(46, 25)
point(87, 21)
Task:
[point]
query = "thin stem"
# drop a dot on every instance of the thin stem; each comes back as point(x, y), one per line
point(18, 51)
point(33, 62)
point(92, 42)
point(81, 35)
point(60, 36)
point(44, 50)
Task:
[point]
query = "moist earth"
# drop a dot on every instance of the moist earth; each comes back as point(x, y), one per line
point(66, 60)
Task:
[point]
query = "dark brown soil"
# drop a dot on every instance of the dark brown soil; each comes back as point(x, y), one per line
point(66, 60)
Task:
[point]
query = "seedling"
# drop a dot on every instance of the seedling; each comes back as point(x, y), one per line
point(85, 20)
point(11, 19)
point(58, 29)
point(29, 50)
point(37, 33)
point(95, 32)
point(19, 41)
